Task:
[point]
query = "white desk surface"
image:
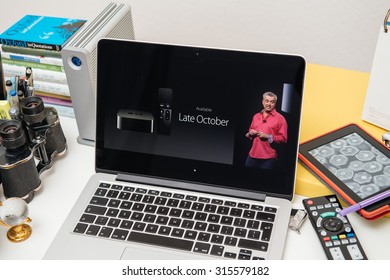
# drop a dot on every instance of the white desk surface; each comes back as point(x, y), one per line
point(62, 184)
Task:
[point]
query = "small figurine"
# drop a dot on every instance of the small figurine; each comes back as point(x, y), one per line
point(14, 214)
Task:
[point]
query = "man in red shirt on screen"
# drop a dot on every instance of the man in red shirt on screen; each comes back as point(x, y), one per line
point(268, 128)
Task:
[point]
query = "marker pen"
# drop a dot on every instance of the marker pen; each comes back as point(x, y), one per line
point(8, 87)
point(29, 76)
point(30, 91)
point(20, 95)
point(365, 203)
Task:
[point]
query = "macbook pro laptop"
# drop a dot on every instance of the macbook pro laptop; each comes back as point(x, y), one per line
point(171, 148)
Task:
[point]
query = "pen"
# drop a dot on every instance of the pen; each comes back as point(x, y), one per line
point(364, 203)
point(8, 86)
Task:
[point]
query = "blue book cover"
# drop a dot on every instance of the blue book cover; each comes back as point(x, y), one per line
point(41, 32)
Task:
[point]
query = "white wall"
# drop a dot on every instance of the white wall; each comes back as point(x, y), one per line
point(339, 33)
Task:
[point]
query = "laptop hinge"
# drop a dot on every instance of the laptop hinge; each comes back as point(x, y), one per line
point(191, 187)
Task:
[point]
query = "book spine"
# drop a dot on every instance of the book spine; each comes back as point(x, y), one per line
point(38, 74)
point(63, 107)
point(33, 65)
point(32, 58)
point(30, 45)
point(54, 88)
point(41, 53)
point(51, 95)
point(53, 100)
point(3, 91)
point(64, 111)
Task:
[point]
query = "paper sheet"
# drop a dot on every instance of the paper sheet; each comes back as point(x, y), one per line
point(376, 108)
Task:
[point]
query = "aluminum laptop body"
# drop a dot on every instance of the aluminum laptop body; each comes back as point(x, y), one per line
point(171, 128)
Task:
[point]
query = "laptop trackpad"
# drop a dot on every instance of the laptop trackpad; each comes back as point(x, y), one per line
point(148, 253)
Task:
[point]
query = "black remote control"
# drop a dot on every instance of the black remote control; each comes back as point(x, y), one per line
point(165, 111)
point(334, 231)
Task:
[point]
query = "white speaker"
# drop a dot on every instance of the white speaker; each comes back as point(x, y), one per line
point(80, 63)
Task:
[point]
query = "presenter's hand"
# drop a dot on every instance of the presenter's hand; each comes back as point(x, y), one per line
point(262, 135)
point(253, 132)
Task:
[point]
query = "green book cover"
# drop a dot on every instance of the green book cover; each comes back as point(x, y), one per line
point(33, 65)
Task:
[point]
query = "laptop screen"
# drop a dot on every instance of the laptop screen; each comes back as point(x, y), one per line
point(192, 114)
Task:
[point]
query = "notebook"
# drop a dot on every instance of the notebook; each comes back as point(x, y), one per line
point(172, 146)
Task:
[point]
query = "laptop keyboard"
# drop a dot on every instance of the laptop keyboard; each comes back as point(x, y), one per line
point(183, 221)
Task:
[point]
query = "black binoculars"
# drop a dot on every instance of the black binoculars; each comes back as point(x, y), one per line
point(28, 147)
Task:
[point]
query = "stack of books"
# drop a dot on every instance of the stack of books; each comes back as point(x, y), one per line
point(35, 42)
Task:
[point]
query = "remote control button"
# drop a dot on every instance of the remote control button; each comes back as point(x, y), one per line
point(344, 241)
point(336, 253)
point(332, 224)
point(342, 218)
point(352, 240)
point(355, 253)
point(328, 244)
point(328, 214)
point(336, 243)
point(319, 222)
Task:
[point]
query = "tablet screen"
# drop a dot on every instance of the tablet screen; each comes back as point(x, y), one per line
point(357, 163)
